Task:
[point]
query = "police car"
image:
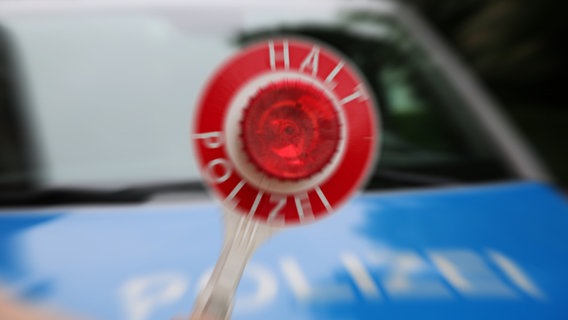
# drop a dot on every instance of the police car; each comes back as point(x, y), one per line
point(104, 213)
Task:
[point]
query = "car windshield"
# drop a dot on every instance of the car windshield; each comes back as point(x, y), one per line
point(107, 99)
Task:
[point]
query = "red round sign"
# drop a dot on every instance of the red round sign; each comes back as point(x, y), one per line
point(285, 131)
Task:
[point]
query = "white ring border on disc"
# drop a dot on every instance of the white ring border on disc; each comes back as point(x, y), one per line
point(234, 144)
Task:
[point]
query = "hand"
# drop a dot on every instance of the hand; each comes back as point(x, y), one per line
point(16, 310)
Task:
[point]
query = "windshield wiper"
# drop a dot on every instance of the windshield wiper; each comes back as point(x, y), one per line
point(73, 196)
point(382, 179)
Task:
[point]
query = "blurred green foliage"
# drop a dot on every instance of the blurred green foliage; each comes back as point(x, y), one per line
point(512, 44)
point(517, 49)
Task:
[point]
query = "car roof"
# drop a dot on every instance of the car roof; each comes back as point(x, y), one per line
point(18, 7)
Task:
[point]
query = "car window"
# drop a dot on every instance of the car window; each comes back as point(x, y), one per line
point(111, 96)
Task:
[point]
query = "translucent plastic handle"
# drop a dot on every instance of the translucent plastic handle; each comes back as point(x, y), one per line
point(242, 236)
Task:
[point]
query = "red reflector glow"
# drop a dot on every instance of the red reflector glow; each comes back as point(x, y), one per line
point(285, 131)
point(290, 130)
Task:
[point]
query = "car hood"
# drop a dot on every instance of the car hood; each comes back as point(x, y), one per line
point(455, 253)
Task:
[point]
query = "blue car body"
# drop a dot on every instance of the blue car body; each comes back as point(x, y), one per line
point(490, 251)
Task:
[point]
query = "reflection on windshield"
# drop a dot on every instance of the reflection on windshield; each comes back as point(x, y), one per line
point(426, 127)
point(111, 99)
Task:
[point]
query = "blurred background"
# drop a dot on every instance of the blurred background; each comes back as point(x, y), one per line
point(96, 105)
point(65, 73)
point(517, 50)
